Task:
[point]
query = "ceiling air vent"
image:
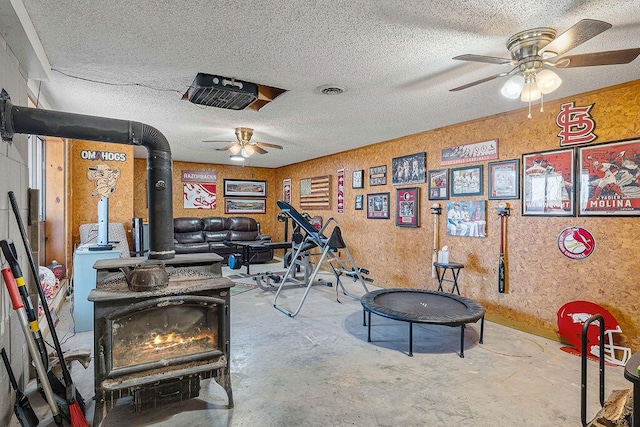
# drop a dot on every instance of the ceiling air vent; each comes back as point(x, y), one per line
point(222, 92)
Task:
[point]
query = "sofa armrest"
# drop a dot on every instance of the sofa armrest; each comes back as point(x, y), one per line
point(263, 237)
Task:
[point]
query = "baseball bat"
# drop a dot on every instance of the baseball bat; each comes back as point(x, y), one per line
point(501, 267)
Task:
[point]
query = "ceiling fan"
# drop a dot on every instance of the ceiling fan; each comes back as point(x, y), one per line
point(534, 52)
point(244, 147)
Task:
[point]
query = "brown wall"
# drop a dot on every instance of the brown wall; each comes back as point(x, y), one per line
point(540, 278)
point(83, 207)
point(268, 223)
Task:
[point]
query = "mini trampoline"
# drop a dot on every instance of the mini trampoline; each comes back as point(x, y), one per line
point(422, 306)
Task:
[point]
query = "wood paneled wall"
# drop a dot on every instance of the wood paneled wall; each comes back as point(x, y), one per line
point(268, 221)
point(540, 278)
point(83, 207)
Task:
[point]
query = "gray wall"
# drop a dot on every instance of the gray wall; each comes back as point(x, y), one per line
point(13, 177)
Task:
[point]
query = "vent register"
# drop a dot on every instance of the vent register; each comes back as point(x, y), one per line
point(231, 94)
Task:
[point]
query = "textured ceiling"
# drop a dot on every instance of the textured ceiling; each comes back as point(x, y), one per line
point(393, 58)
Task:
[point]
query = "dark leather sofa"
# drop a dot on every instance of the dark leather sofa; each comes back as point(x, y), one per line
point(197, 235)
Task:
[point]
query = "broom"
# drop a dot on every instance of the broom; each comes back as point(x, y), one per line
point(77, 416)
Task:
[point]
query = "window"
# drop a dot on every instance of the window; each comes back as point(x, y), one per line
point(36, 155)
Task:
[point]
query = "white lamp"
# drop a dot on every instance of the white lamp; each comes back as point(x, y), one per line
point(548, 81)
point(235, 149)
point(247, 151)
point(531, 91)
point(513, 87)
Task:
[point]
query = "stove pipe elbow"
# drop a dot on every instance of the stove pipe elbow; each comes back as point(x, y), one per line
point(36, 121)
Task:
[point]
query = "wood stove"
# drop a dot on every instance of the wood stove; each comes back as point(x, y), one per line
point(157, 345)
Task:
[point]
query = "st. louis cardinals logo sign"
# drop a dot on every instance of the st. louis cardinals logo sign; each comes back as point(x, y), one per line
point(576, 124)
point(576, 243)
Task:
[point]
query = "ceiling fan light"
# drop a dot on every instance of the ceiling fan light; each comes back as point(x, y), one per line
point(247, 151)
point(236, 158)
point(513, 87)
point(531, 92)
point(548, 81)
point(235, 149)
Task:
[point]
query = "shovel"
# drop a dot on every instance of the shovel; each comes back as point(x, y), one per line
point(22, 407)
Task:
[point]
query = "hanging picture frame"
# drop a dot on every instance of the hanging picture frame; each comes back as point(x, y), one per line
point(378, 206)
point(409, 169)
point(359, 204)
point(503, 180)
point(608, 178)
point(378, 175)
point(407, 205)
point(357, 179)
point(547, 183)
point(439, 184)
point(467, 181)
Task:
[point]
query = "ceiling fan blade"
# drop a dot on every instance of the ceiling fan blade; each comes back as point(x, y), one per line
point(581, 32)
point(258, 149)
point(486, 79)
point(225, 148)
point(611, 57)
point(482, 58)
point(266, 144)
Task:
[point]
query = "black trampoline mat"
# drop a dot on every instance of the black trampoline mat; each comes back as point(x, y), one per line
point(422, 306)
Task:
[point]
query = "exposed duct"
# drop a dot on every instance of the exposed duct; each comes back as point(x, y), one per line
point(35, 121)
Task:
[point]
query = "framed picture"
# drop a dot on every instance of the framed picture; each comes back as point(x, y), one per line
point(466, 181)
point(357, 179)
point(359, 202)
point(547, 183)
point(503, 180)
point(378, 206)
point(467, 153)
point(467, 218)
point(378, 175)
point(409, 169)
point(245, 188)
point(245, 206)
point(407, 202)
point(439, 184)
point(609, 179)
point(286, 190)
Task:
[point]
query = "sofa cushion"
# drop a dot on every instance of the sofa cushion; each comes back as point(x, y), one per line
point(188, 238)
point(243, 235)
point(242, 223)
point(191, 248)
point(186, 224)
point(216, 236)
point(214, 223)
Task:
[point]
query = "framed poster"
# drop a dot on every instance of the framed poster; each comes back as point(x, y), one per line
point(357, 179)
point(245, 188)
point(439, 184)
point(286, 190)
point(245, 206)
point(547, 183)
point(467, 218)
point(609, 179)
point(466, 181)
point(199, 196)
point(467, 153)
point(378, 175)
point(503, 180)
point(315, 193)
point(378, 206)
point(407, 202)
point(359, 202)
point(409, 169)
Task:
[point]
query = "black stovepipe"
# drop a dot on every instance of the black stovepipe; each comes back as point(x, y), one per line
point(14, 119)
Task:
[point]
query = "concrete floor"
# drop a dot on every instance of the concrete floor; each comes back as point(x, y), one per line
point(318, 369)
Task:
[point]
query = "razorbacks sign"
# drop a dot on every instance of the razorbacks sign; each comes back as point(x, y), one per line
point(576, 124)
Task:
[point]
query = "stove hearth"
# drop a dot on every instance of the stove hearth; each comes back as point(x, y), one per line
point(157, 345)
